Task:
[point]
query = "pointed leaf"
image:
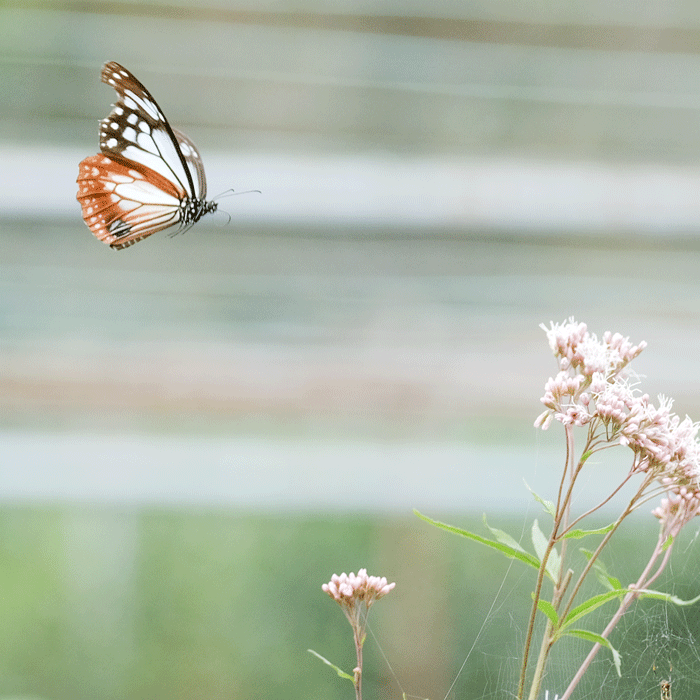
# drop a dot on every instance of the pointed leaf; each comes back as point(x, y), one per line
point(503, 537)
point(612, 583)
point(597, 600)
point(341, 673)
point(608, 581)
point(660, 595)
point(539, 541)
point(554, 563)
point(508, 551)
point(578, 534)
point(548, 609)
point(547, 505)
point(597, 639)
point(590, 605)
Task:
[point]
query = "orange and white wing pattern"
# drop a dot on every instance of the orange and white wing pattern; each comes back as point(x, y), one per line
point(122, 203)
point(149, 176)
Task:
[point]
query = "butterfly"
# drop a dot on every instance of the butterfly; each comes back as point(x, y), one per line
point(149, 176)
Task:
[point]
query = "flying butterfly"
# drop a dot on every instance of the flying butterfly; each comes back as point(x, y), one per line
point(149, 176)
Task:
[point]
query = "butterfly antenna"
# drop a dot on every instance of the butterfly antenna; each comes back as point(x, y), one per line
point(230, 193)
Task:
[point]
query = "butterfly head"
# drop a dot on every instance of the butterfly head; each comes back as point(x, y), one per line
point(194, 209)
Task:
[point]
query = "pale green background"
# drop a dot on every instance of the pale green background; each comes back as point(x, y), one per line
point(196, 432)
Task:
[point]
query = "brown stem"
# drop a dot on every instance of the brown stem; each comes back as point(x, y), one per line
point(642, 582)
point(358, 669)
point(600, 505)
point(589, 564)
point(560, 513)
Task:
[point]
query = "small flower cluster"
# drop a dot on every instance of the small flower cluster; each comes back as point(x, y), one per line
point(682, 505)
point(665, 444)
point(355, 595)
point(592, 386)
point(579, 350)
point(588, 369)
point(349, 589)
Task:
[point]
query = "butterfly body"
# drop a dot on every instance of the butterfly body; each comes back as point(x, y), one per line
point(148, 177)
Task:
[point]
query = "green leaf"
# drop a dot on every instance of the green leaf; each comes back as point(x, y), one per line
point(597, 600)
point(590, 605)
point(508, 550)
point(540, 543)
point(554, 564)
point(504, 537)
point(597, 639)
point(578, 534)
point(608, 581)
point(340, 672)
point(547, 505)
point(548, 609)
point(660, 595)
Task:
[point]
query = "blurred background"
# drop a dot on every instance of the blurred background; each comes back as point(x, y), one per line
point(197, 431)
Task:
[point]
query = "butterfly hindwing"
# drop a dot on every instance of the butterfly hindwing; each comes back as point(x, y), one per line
point(121, 204)
point(193, 163)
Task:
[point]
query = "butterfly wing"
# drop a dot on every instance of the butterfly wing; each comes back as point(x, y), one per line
point(149, 176)
point(122, 203)
point(136, 130)
point(194, 164)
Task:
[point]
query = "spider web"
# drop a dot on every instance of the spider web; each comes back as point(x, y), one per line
point(658, 642)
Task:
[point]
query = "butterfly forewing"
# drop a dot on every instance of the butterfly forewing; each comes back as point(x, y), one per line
point(136, 129)
point(149, 176)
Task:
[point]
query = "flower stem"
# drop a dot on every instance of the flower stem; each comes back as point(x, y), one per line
point(562, 515)
point(641, 583)
point(531, 624)
point(359, 636)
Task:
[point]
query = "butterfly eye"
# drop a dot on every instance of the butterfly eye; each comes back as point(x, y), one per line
point(148, 177)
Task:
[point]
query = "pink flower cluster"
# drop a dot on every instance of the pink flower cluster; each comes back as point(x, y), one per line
point(588, 370)
point(580, 350)
point(590, 382)
point(592, 385)
point(664, 443)
point(675, 511)
point(348, 589)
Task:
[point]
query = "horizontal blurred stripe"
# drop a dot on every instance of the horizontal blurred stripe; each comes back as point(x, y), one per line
point(426, 21)
point(341, 83)
point(433, 193)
